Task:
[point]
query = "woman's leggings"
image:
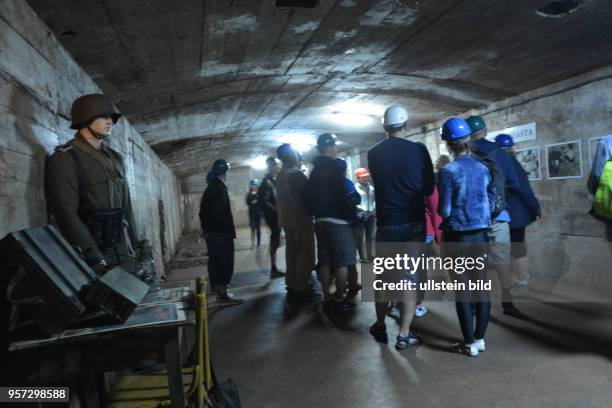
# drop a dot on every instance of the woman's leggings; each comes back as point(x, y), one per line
point(470, 244)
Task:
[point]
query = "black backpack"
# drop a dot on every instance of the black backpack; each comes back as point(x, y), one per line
point(497, 187)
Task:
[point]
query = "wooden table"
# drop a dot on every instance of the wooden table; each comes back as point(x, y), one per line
point(154, 331)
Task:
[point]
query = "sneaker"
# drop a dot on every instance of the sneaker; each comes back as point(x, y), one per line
point(303, 295)
point(379, 332)
point(420, 311)
point(520, 289)
point(275, 273)
point(510, 309)
point(470, 350)
point(352, 293)
point(227, 299)
point(480, 345)
point(393, 312)
point(351, 301)
point(343, 305)
point(408, 341)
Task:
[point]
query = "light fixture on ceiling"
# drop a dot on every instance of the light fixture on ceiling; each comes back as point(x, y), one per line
point(302, 142)
point(258, 163)
point(355, 112)
point(350, 119)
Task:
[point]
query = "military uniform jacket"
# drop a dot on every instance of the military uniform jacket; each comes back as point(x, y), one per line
point(79, 180)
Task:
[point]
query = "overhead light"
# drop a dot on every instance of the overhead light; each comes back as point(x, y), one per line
point(350, 119)
point(302, 142)
point(258, 163)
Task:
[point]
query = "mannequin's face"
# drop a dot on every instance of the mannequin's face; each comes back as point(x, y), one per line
point(102, 126)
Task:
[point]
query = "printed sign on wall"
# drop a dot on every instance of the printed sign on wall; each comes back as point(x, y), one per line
point(519, 133)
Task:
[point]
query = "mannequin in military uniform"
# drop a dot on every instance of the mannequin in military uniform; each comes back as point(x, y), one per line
point(86, 189)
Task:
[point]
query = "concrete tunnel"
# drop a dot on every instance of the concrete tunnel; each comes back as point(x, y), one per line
point(198, 81)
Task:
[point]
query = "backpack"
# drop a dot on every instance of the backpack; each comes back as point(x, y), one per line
point(603, 196)
point(497, 187)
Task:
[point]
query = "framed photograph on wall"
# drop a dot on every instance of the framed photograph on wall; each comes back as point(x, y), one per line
point(564, 160)
point(593, 142)
point(529, 158)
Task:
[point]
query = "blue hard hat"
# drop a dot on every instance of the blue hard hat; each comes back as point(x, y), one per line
point(284, 151)
point(254, 182)
point(341, 163)
point(504, 140)
point(455, 129)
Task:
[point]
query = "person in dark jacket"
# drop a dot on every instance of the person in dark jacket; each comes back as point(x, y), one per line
point(465, 206)
point(218, 229)
point(329, 202)
point(402, 173)
point(252, 201)
point(86, 187)
point(524, 209)
point(267, 200)
point(499, 233)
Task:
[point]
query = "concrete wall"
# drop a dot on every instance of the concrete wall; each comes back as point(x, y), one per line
point(38, 82)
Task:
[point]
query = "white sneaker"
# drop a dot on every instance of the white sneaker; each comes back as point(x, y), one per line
point(520, 289)
point(420, 311)
point(471, 349)
point(480, 344)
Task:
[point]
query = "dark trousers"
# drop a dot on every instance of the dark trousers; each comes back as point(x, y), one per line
point(220, 259)
point(255, 223)
point(467, 300)
point(361, 229)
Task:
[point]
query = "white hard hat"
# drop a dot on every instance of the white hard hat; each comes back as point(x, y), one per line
point(395, 116)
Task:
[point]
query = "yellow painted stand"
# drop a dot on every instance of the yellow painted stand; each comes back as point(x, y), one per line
point(150, 390)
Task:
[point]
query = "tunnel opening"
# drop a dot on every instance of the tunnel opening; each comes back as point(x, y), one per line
point(559, 8)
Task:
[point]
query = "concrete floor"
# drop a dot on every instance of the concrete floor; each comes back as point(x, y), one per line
point(559, 355)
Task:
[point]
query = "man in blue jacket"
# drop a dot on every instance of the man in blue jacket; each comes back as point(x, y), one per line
point(402, 173)
point(499, 232)
point(524, 209)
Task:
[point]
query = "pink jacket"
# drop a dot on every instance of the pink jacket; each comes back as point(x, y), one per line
point(432, 217)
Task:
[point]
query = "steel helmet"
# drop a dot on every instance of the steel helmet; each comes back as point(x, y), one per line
point(341, 163)
point(476, 123)
point(455, 130)
point(89, 107)
point(395, 117)
point(254, 182)
point(285, 151)
point(504, 140)
point(326, 140)
point(361, 172)
point(220, 166)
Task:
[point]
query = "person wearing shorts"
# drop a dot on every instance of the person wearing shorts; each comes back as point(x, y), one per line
point(499, 232)
point(524, 209)
point(330, 204)
point(402, 174)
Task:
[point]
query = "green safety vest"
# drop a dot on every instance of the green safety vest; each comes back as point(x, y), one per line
point(603, 195)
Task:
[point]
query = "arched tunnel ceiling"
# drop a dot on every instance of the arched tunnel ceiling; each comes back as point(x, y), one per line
point(207, 78)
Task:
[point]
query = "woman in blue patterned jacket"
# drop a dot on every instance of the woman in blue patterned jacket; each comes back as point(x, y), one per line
point(465, 207)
